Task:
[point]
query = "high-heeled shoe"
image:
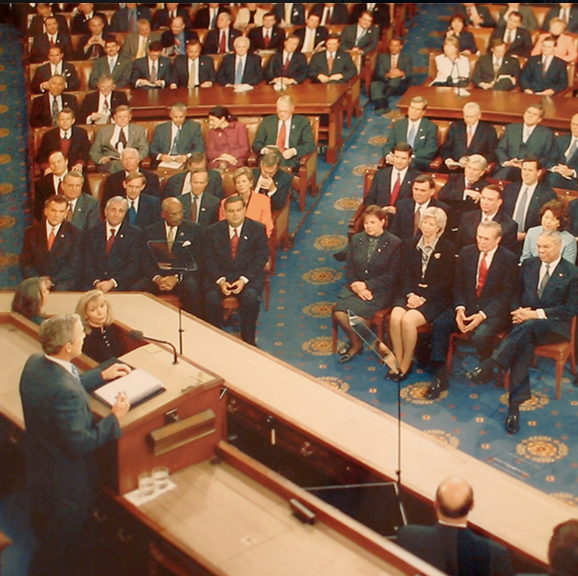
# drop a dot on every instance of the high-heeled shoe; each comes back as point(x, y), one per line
point(347, 357)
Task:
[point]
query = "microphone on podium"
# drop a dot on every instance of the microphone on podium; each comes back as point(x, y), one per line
point(140, 337)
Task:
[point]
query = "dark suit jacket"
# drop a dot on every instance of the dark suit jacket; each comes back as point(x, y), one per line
point(572, 25)
point(149, 212)
point(86, 213)
point(321, 34)
point(208, 211)
point(190, 139)
point(174, 185)
point(275, 43)
point(90, 104)
point(383, 66)
point(119, 21)
point(484, 141)
point(555, 78)
point(452, 194)
point(42, 74)
point(79, 24)
point(540, 144)
point(121, 73)
point(425, 147)
point(367, 42)
point(168, 39)
point(78, 151)
point(201, 19)
point(60, 264)
point(283, 183)
point(343, 65)
point(468, 227)
point(36, 27)
point(380, 14)
point(484, 71)
point(39, 52)
point(562, 144)
point(253, 73)
point(487, 20)
point(522, 44)
point(161, 18)
point(113, 185)
point(402, 223)
point(181, 70)
point(98, 50)
point(43, 189)
point(573, 209)
point(340, 14)
point(212, 40)
point(123, 261)
point(456, 551)
point(41, 112)
point(252, 254)
point(542, 194)
point(297, 67)
point(380, 191)
point(140, 70)
point(297, 14)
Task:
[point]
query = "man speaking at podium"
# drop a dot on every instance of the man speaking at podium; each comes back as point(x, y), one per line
point(61, 437)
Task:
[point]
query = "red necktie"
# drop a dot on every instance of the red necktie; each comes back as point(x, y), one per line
point(110, 241)
point(281, 137)
point(51, 239)
point(223, 43)
point(267, 40)
point(396, 189)
point(482, 275)
point(286, 65)
point(234, 244)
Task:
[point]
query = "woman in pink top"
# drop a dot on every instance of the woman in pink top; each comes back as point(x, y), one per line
point(565, 47)
point(227, 141)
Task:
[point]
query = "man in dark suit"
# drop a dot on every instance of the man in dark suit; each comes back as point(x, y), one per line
point(290, 133)
point(476, 15)
point(163, 16)
point(287, 66)
point(206, 16)
point(200, 207)
point(153, 71)
point(524, 139)
point(61, 438)
point(362, 36)
point(174, 40)
point(312, 35)
point(469, 136)
point(379, 12)
point(419, 132)
point(51, 248)
point(38, 22)
point(450, 546)
point(567, 12)
point(267, 37)
point(143, 210)
point(111, 251)
point(271, 180)
point(136, 43)
point(290, 14)
point(55, 66)
point(546, 74)
point(54, 36)
point(181, 183)
point(91, 46)
point(331, 13)
point(392, 76)
point(563, 172)
point(332, 65)
point(125, 19)
point(80, 20)
point(82, 207)
point(491, 202)
point(221, 39)
point(49, 184)
point(485, 282)
point(120, 67)
point(236, 252)
point(193, 69)
point(98, 107)
point(497, 70)
point(71, 140)
point(518, 39)
point(240, 67)
point(44, 110)
point(541, 315)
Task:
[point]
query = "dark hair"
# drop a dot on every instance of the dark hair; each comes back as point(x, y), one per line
point(403, 147)
point(28, 297)
point(234, 198)
point(494, 188)
point(374, 210)
point(563, 549)
point(532, 158)
point(58, 198)
point(559, 211)
point(222, 112)
point(425, 178)
point(457, 16)
point(155, 46)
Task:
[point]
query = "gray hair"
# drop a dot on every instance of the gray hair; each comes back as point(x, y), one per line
point(554, 234)
point(439, 215)
point(477, 159)
point(116, 200)
point(57, 331)
point(472, 107)
point(492, 225)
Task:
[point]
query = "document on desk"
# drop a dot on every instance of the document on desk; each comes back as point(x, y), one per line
point(139, 386)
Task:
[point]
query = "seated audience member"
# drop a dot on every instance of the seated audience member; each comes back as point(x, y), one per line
point(497, 70)
point(289, 134)
point(249, 16)
point(152, 72)
point(50, 183)
point(80, 20)
point(528, 20)
point(563, 549)
point(113, 185)
point(200, 207)
point(409, 211)
point(565, 159)
point(112, 139)
point(38, 22)
point(227, 140)
point(97, 107)
point(332, 65)
point(221, 39)
point(178, 242)
point(541, 315)
point(567, 12)
point(51, 248)
point(312, 35)
point(289, 13)
point(419, 132)
point(176, 140)
point(485, 282)
point(110, 259)
point(467, 44)
point(469, 136)
point(523, 139)
point(516, 37)
point(491, 202)
point(240, 67)
point(207, 16)
point(361, 37)
point(476, 15)
point(125, 19)
point(565, 49)
point(119, 66)
point(193, 70)
point(29, 298)
point(67, 138)
point(287, 66)
point(54, 36)
point(174, 40)
point(451, 68)
point(554, 216)
point(181, 183)
point(257, 206)
point(372, 266)
point(392, 76)
point(136, 44)
point(164, 16)
point(236, 251)
point(82, 206)
point(56, 66)
point(102, 336)
point(523, 200)
point(143, 209)
point(331, 13)
point(44, 110)
point(426, 284)
point(269, 36)
point(272, 181)
point(379, 13)
point(450, 545)
point(91, 46)
point(546, 74)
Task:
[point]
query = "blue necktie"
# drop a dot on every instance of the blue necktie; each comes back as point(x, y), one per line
point(239, 72)
point(411, 136)
point(131, 214)
point(75, 372)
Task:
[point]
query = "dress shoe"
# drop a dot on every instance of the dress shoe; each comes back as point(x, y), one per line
point(348, 356)
point(340, 256)
point(437, 387)
point(512, 422)
point(480, 375)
